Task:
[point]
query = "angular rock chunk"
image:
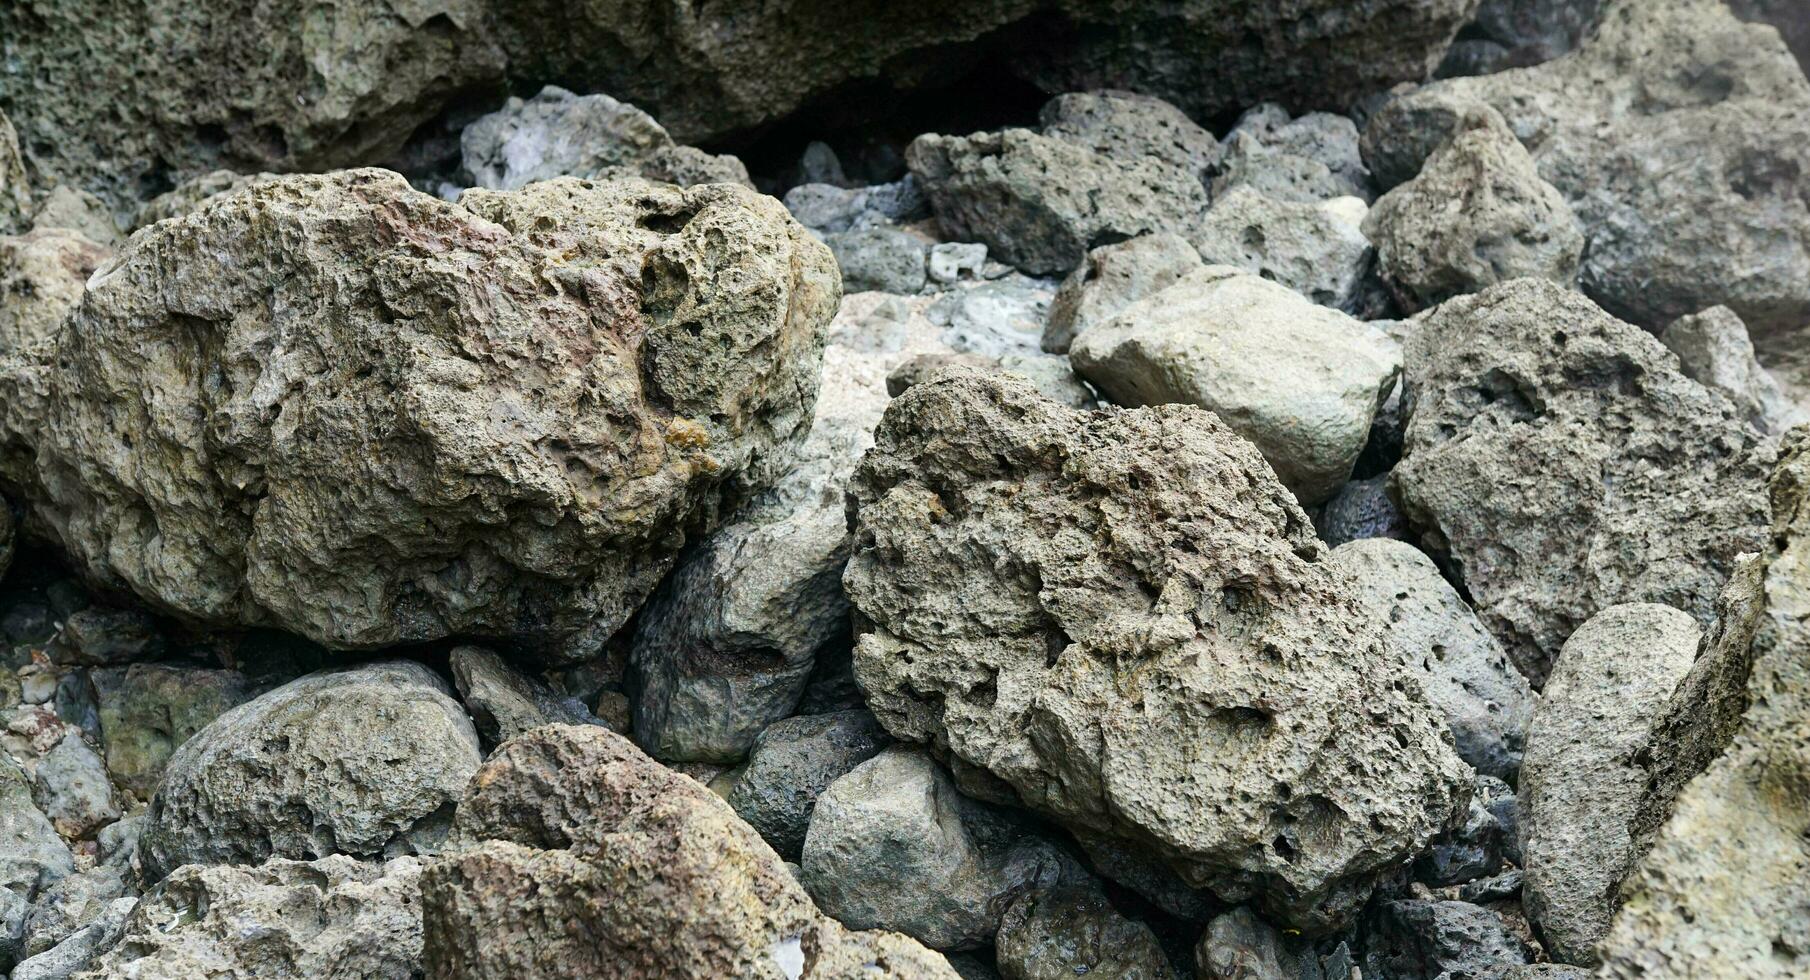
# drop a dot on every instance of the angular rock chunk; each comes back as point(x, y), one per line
point(285, 920)
point(1313, 158)
point(1477, 214)
point(71, 904)
point(1112, 278)
point(1579, 789)
point(1486, 701)
point(1062, 933)
point(1425, 940)
point(1562, 462)
point(1722, 893)
point(1316, 249)
point(147, 711)
point(42, 277)
point(884, 259)
point(1302, 382)
point(79, 951)
point(584, 857)
point(1123, 621)
point(1517, 33)
point(1240, 946)
point(32, 858)
point(1714, 349)
point(368, 762)
point(892, 845)
point(792, 763)
point(15, 185)
point(369, 416)
point(1127, 126)
point(1041, 202)
point(1362, 509)
point(504, 702)
point(71, 787)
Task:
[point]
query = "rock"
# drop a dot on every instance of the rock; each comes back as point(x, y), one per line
point(1721, 893)
point(1362, 509)
point(1427, 940)
point(820, 165)
point(1316, 249)
point(892, 845)
point(926, 366)
point(1518, 33)
point(1313, 158)
point(995, 318)
point(565, 814)
point(948, 260)
point(191, 194)
point(1476, 848)
point(1052, 376)
point(102, 637)
point(1714, 350)
point(1041, 202)
point(1478, 214)
point(1006, 555)
point(15, 186)
point(1677, 135)
point(792, 763)
point(883, 259)
point(827, 208)
point(1240, 946)
point(1061, 933)
point(32, 858)
point(1559, 459)
point(1579, 789)
point(148, 710)
point(282, 919)
point(504, 702)
point(72, 789)
point(410, 490)
point(1486, 702)
point(72, 904)
point(78, 952)
point(42, 277)
point(367, 762)
point(1128, 126)
point(1113, 277)
point(70, 209)
point(560, 134)
point(1300, 381)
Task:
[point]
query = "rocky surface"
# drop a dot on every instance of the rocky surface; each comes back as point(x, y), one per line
point(147, 711)
point(1564, 465)
point(32, 860)
point(406, 495)
point(1113, 277)
point(1425, 940)
point(792, 763)
point(15, 185)
point(1315, 157)
point(1362, 509)
point(504, 702)
point(998, 604)
point(1060, 933)
point(1316, 249)
point(367, 762)
point(1714, 349)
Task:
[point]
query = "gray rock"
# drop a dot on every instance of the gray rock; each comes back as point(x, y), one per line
point(893, 846)
point(1051, 375)
point(1519, 33)
point(1302, 382)
point(71, 209)
point(1062, 933)
point(827, 208)
point(32, 858)
point(820, 165)
point(1559, 459)
point(148, 710)
point(42, 277)
point(1429, 940)
point(72, 904)
point(1128, 126)
point(504, 702)
point(1579, 789)
point(997, 587)
point(71, 787)
point(1476, 215)
point(792, 763)
point(102, 637)
point(1313, 158)
point(885, 259)
point(1040, 202)
point(996, 317)
point(1113, 277)
point(1678, 135)
point(81, 949)
point(387, 485)
point(1316, 249)
point(1713, 349)
point(559, 134)
point(1362, 509)
point(564, 815)
point(285, 920)
point(1721, 893)
point(367, 762)
point(1477, 847)
point(191, 194)
point(948, 260)
point(1240, 946)
point(1486, 702)
point(15, 184)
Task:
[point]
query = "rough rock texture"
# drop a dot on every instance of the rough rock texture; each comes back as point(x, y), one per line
point(586, 858)
point(1564, 465)
point(75, 210)
point(1316, 249)
point(1723, 891)
point(1313, 158)
point(1429, 940)
point(1062, 933)
point(1517, 33)
point(1476, 215)
point(504, 702)
point(1362, 509)
point(1680, 137)
point(1238, 945)
point(1041, 202)
point(42, 275)
point(148, 710)
point(1300, 381)
point(15, 186)
point(1714, 349)
point(1121, 620)
point(892, 845)
point(369, 416)
point(1128, 126)
point(32, 858)
point(559, 134)
point(70, 785)
point(1477, 847)
point(71, 904)
point(1113, 277)
point(1579, 786)
point(81, 948)
point(283, 920)
point(792, 763)
point(192, 193)
point(367, 761)
point(1466, 675)
point(886, 259)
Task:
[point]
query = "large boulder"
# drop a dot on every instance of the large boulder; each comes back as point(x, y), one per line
point(339, 406)
point(367, 762)
point(1564, 465)
point(1679, 135)
point(1723, 890)
point(583, 857)
point(1301, 381)
point(1123, 621)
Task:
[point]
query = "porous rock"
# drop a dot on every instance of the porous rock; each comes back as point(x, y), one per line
point(564, 816)
point(1312, 158)
point(406, 419)
point(1317, 249)
point(504, 702)
point(1714, 349)
point(1238, 945)
point(1013, 559)
point(1113, 277)
point(148, 710)
point(1302, 382)
point(1562, 462)
point(792, 763)
point(32, 858)
point(15, 185)
point(1418, 939)
point(72, 904)
point(1061, 933)
point(70, 785)
point(42, 277)
point(367, 761)
point(1126, 125)
point(885, 259)
point(1362, 509)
